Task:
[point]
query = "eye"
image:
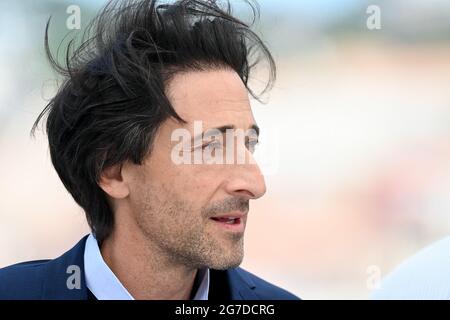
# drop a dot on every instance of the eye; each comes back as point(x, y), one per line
point(213, 145)
point(251, 144)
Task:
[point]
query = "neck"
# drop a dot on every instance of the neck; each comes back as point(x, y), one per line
point(143, 269)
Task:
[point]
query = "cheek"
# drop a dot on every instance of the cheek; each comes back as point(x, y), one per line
point(198, 181)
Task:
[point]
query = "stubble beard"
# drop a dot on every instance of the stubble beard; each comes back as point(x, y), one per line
point(186, 237)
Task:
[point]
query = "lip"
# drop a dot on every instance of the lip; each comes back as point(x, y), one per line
point(234, 214)
point(238, 226)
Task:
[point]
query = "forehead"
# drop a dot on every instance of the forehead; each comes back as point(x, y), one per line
point(215, 97)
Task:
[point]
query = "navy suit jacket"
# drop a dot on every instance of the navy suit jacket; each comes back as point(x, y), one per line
point(47, 279)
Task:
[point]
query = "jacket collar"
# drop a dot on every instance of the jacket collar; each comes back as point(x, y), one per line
point(63, 273)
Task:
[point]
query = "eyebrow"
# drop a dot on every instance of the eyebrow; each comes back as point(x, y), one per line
point(223, 130)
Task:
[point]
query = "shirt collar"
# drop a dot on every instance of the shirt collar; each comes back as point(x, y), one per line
point(104, 284)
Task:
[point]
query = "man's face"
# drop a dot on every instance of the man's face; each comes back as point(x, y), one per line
point(174, 204)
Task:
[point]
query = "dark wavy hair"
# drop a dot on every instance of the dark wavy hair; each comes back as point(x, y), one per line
point(112, 100)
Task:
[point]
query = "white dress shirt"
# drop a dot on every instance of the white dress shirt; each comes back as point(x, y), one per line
point(104, 285)
point(424, 276)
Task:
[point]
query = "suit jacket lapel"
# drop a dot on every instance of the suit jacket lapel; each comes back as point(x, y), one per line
point(242, 287)
point(230, 284)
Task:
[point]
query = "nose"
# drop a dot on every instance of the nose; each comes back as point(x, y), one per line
point(246, 182)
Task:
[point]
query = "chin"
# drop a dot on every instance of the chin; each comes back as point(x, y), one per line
point(224, 266)
point(224, 262)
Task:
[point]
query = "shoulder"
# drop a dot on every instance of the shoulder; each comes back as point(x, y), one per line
point(23, 280)
point(265, 290)
point(423, 276)
point(44, 279)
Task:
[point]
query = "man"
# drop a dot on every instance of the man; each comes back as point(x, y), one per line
point(161, 228)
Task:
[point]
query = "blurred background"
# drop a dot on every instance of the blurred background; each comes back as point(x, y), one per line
point(358, 129)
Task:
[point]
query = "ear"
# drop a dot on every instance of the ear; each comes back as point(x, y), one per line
point(112, 182)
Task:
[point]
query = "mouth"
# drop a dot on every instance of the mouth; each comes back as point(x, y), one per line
point(234, 223)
